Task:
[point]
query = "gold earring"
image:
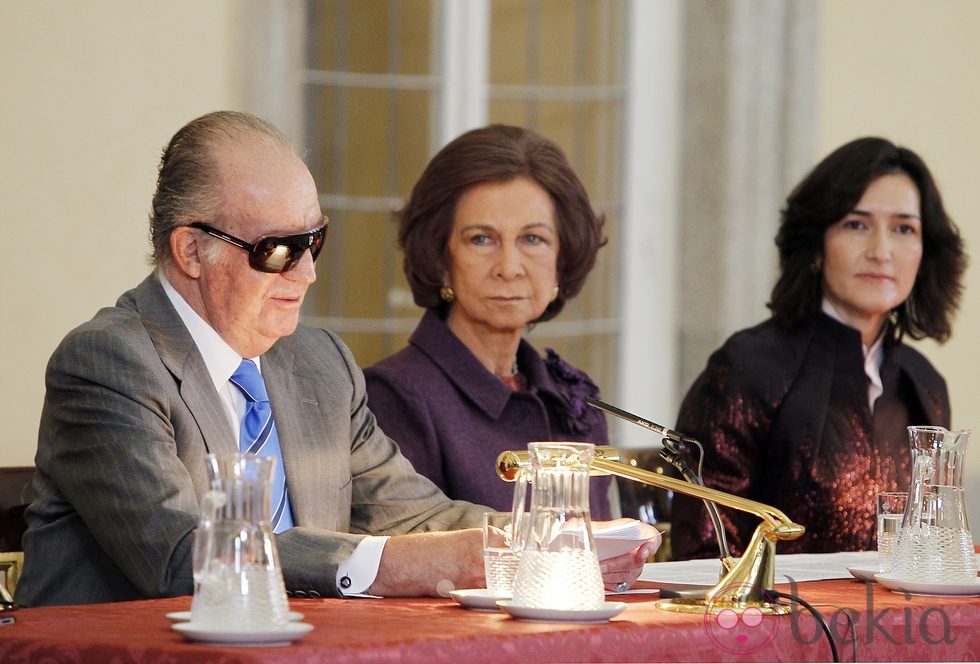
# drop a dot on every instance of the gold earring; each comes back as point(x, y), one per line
point(447, 294)
point(554, 294)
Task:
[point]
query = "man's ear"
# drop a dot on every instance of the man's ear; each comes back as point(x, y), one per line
point(186, 249)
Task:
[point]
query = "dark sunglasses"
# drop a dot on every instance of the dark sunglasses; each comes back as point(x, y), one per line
point(273, 253)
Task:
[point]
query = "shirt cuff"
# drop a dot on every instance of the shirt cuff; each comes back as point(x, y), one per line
point(356, 574)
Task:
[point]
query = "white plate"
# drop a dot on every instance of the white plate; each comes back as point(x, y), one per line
point(185, 616)
point(478, 599)
point(931, 589)
point(271, 637)
point(608, 610)
point(863, 574)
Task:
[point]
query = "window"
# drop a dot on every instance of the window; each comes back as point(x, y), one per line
point(381, 81)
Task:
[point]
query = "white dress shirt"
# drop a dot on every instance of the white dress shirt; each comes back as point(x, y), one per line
point(356, 574)
point(874, 355)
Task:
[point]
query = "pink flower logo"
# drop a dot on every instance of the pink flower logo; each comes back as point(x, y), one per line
point(739, 631)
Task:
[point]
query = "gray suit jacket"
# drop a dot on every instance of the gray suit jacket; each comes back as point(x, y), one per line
point(129, 415)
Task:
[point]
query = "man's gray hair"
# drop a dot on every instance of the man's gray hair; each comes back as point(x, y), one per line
point(187, 186)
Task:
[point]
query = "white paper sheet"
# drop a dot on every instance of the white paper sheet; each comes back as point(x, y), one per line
point(798, 567)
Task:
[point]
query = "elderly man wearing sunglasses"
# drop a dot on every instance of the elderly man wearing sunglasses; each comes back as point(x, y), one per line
point(140, 394)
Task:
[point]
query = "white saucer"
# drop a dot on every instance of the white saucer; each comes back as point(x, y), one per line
point(863, 574)
point(478, 599)
point(608, 610)
point(185, 616)
point(930, 589)
point(271, 637)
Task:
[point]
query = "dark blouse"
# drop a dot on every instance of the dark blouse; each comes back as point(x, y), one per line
point(785, 420)
point(451, 417)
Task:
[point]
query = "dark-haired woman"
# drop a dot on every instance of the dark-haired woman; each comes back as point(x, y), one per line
point(498, 234)
point(807, 411)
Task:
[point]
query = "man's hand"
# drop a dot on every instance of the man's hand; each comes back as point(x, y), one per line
point(433, 564)
point(430, 564)
point(625, 569)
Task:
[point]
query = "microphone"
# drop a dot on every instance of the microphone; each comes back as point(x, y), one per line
point(671, 435)
point(674, 445)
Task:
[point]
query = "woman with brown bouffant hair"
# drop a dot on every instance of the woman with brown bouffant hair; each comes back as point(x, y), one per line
point(808, 411)
point(498, 234)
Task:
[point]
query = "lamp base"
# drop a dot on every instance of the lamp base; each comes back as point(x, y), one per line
point(682, 605)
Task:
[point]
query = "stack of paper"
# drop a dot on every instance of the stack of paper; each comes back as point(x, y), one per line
point(617, 537)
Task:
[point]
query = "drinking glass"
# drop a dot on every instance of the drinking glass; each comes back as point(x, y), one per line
point(891, 508)
point(499, 559)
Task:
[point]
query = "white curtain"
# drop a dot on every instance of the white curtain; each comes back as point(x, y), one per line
point(748, 123)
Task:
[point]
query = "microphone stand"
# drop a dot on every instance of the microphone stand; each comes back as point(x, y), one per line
point(673, 444)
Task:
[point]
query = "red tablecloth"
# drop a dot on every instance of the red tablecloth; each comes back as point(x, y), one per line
point(889, 627)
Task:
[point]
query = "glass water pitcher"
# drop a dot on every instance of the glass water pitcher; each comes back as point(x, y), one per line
point(558, 568)
point(935, 544)
point(238, 584)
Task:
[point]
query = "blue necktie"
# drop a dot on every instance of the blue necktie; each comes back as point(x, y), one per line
point(258, 436)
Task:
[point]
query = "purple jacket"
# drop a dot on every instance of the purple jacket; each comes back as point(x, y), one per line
point(451, 417)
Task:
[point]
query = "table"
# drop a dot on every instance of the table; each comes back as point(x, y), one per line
point(890, 627)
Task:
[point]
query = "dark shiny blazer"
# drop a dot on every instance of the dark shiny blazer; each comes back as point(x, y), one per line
point(784, 419)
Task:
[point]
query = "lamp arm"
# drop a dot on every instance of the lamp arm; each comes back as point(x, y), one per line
point(782, 527)
point(606, 462)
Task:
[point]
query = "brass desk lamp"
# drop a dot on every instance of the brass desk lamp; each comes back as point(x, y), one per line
point(749, 582)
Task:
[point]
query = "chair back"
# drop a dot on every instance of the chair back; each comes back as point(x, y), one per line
point(649, 504)
point(16, 493)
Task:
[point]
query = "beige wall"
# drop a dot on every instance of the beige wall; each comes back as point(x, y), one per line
point(906, 69)
point(90, 93)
